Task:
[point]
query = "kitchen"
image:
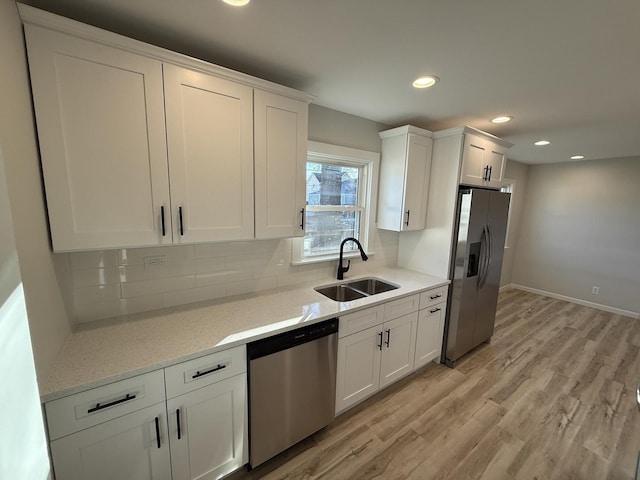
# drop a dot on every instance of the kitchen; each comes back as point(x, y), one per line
point(610, 209)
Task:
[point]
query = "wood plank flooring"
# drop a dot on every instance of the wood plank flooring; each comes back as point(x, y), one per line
point(551, 397)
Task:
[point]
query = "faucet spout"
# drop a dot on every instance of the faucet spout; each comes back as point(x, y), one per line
point(342, 269)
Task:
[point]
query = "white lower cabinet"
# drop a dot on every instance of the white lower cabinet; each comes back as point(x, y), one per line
point(430, 332)
point(126, 447)
point(358, 374)
point(398, 348)
point(207, 433)
point(132, 430)
point(374, 349)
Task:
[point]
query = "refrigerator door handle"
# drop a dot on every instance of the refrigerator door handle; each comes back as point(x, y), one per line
point(483, 246)
point(485, 252)
point(489, 255)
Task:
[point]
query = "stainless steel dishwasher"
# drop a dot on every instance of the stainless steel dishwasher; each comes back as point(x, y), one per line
point(292, 388)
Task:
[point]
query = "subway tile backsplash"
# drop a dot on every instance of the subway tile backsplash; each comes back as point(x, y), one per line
point(114, 283)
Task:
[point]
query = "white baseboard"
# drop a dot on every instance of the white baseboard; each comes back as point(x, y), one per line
point(606, 308)
point(508, 285)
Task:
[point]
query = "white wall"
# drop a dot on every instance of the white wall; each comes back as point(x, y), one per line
point(581, 228)
point(23, 446)
point(112, 283)
point(518, 173)
point(48, 319)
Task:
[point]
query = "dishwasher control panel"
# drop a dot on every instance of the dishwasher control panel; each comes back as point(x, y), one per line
point(290, 339)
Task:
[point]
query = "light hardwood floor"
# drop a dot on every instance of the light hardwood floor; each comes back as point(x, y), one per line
point(551, 397)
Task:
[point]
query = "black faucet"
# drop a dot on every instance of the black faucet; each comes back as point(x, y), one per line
point(341, 269)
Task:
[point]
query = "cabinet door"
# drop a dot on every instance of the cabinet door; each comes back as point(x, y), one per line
point(213, 430)
point(126, 447)
point(473, 161)
point(100, 118)
point(496, 158)
point(483, 162)
point(418, 170)
point(280, 165)
point(429, 334)
point(358, 373)
point(398, 348)
point(210, 144)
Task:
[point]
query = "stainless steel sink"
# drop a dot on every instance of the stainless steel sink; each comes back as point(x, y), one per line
point(371, 286)
point(340, 293)
point(365, 287)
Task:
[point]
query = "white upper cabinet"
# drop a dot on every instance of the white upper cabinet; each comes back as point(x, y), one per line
point(280, 165)
point(101, 126)
point(483, 160)
point(141, 146)
point(404, 178)
point(210, 145)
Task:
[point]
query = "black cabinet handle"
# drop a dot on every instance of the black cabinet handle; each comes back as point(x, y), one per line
point(388, 337)
point(178, 422)
point(434, 310)
point(206, 372)
point(302, 219)
point(433, 297)
point(164, 232)
point(485, 173)
point(101, 406)
point(407, 215)
point(180, 221)
point(158, 431)
point(380, 344)
point(490, 169)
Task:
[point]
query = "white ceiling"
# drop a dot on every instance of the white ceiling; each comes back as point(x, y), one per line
point(567, 70)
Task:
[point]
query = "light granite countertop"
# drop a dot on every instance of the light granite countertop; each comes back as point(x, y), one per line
point(111, 350)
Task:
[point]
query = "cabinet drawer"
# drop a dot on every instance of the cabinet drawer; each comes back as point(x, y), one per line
point(200, 372)
point(433, 296)
point(358, 321)
point(400, 307)
point(86, 409)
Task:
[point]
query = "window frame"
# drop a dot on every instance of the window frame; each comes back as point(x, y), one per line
point(368, 196)
point(508, 185)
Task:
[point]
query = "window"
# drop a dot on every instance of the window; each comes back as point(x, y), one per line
point(340, 185)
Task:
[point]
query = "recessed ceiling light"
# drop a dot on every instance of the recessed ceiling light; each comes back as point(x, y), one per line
point(425, 81)
point(236, 3)
point(502, 119)
point(577, 157)
point(542, 143)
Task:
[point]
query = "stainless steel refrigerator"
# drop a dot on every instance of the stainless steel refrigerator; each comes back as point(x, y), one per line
point(475, 270)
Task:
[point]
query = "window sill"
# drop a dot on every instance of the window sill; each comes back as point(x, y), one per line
point(329, 258)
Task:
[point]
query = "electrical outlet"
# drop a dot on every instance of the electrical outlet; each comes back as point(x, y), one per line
point(595, 290)
point(155, 261)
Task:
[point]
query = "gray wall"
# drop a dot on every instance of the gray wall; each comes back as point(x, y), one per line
point(518, 173)
point(338, 128)
point(581, 228)
point(48, 319)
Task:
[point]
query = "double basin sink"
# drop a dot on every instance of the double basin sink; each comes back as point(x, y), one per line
point(355, 289)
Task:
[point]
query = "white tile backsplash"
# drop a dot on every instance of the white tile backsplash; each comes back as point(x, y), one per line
point(115, 283)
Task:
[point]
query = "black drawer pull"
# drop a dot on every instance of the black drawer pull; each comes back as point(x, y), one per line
point(164, 232)
point(380, 344)
point(434, 310)
point(100, 406)
point(157, 420)
point(388, 337)
point(433, 297)
point(207, 372)
point(178, 423)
